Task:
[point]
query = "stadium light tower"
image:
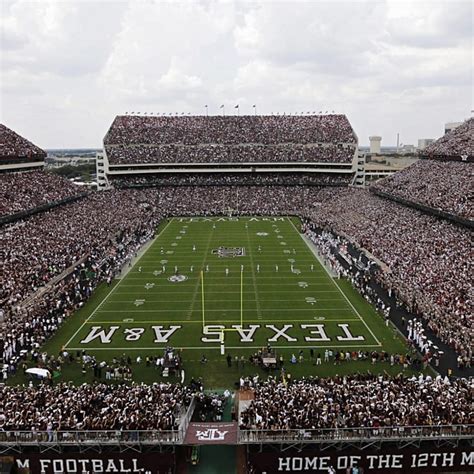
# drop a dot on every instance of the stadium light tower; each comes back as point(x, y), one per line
point(254, 109)
point(207, 111)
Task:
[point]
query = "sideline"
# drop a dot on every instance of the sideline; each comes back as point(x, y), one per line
point(131, 263)
point(339, 288)
point(66, 346)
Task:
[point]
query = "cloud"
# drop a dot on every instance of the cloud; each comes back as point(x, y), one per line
point(390, 65)
point(64, 38)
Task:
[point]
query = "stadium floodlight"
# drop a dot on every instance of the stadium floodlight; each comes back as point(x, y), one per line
point(254, 109)
point(207, 111)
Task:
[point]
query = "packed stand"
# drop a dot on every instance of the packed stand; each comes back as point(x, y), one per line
point(249, 153)
point(430, 266)
point(30, 189)
point(458, 143)
point(34, 251)
point(231, 179)
point(215, 139)
point(441, 185)
point(14, 146)
point(198, 129)
point(65, 407)
point(359, 401)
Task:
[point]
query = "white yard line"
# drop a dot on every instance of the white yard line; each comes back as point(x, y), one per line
point(337, 286)
point(227, 300)
point(237, 284)
point(205, 348)
point(220, 292)
point(220, 310)
point(106, 297)
point(230, 321)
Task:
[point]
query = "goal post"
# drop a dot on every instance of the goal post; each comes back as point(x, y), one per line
point(203, 310)
point(203, 306)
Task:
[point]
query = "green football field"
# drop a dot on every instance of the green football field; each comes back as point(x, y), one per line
point(246, 282)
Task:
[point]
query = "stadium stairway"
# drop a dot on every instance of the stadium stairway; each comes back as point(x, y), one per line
point(217, 459)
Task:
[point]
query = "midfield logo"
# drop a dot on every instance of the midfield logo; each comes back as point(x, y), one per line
point(229, 252)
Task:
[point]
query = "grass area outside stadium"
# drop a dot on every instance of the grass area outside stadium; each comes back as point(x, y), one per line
point(254, 277)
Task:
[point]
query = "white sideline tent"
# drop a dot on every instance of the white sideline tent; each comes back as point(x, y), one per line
point(41, 373)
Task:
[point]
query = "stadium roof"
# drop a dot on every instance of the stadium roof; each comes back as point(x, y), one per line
point(13, 145)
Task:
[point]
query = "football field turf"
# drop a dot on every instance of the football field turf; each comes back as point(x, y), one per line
point(252, 281)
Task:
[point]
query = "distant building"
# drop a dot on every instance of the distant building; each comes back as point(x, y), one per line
point(59, 162)
point(424, 142)
point(407, 149)
point(448, 127)
point(375, 145)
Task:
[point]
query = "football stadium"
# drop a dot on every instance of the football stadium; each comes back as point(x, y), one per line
point(233, 299)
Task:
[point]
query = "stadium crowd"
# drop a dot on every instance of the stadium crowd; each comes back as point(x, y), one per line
point(13, 145)
point(243, 153)
point(66, 407)
point(110, 226)
point(232, 179)
point(456, 144)
point(28, 190)
point(446, 186)
point(359, 401)
point(217, 129)
point(428, 259)
point(35, 250)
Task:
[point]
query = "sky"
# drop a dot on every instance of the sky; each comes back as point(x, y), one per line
point(68, 67)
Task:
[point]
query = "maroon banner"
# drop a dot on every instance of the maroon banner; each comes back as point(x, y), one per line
point(386, 461)
point(211, 433)
point(77, 463)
